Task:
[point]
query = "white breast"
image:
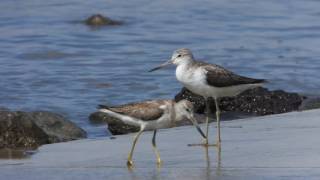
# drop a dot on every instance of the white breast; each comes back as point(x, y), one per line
point(194, 79)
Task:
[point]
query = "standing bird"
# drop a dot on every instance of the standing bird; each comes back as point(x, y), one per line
point(152, 115)
point(208, 80)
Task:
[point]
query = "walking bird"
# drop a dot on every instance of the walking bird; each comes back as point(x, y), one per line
point(152, 115)
point(208, 80)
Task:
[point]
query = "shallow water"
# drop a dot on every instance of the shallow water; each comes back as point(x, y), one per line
point(16, 153)
point(49, 61)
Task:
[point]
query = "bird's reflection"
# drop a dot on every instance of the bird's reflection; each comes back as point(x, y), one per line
point(208, 162)
point(212, 170)
point(135, 174)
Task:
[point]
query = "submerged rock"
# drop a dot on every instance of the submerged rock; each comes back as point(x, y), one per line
point(99, 20)
point(258, 101)
point(32, 129)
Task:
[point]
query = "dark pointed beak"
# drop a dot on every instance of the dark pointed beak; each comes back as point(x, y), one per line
point(195, 123)
point(161, 66)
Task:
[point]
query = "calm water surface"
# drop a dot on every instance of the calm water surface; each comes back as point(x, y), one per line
point(49, 61)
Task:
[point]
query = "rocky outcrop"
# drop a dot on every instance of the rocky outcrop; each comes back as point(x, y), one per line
point(57, 127)
point(99, 20)
point(17, 130)
point(257, 101)
point(32, 129)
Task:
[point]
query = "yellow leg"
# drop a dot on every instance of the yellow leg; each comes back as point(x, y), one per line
point(218, 121)
point(155, 147)
point(206, 141)
point(130, 162)
point(207, 121)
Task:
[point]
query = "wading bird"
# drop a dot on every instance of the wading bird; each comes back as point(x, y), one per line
point(208, 80)
point(152, 115)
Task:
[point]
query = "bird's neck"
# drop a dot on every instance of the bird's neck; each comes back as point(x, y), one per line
point(187, 62)
point(177, 114)
point(182, 69)
point(185, 65)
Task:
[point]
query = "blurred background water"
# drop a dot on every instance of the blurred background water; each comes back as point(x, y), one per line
point(50, 61)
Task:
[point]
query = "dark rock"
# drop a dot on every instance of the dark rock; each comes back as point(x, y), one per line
point(57, 127)
point(198, 101)
point(310, 103)
point(258, 101)
point(17, 130)
point(99, 20)
point(99, 118)
point(121, 128)
point(115, 126)
point(30, 130)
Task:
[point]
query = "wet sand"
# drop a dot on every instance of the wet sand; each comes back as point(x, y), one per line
point(281, 146)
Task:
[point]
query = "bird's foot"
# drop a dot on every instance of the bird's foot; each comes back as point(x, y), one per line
point(203, 144)
point(206, 144)
point(130, 163)
point(159, 163)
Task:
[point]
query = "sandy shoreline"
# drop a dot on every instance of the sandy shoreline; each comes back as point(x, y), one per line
point(268, 147)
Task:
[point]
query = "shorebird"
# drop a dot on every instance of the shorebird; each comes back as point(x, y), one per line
point(152, 115)
point(208, 80)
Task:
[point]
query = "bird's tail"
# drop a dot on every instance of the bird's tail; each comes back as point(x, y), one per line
point(124, 118)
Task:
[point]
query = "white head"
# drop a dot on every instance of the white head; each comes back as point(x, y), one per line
point(185, 110)
point(180, 56)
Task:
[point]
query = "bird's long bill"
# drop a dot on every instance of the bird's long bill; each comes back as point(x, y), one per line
point(195, 123)
point(161, 66)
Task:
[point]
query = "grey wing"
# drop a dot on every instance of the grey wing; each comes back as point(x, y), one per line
point(147, 110)
point(219, 77)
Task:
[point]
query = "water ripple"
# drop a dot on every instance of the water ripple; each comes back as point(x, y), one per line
point(51, 61)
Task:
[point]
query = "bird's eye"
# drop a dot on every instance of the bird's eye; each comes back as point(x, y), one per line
point(179, 55)
point(188, 110)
